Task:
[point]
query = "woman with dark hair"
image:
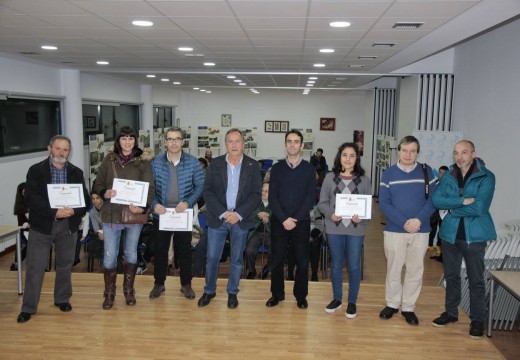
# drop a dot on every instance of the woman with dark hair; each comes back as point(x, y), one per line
point(128, 162)
point(21, 210)
point(345, 236)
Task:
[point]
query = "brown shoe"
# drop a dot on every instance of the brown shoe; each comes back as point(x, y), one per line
point(188, 291)
point(128, 283)
point(110, 276)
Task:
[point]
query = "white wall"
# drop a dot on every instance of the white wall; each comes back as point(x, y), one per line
point(407, 107)
point(486, 97)
point(249, 110)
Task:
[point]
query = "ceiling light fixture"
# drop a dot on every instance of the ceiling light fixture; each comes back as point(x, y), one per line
point(185, 48)
point(339, 24)
point(194, 55)
point(165, 79)
point(176, 83)
point(102, 62)
point(196, 88)
point(144, 23)
point(356, 66)
point(237, 80)
point(367, 57)
point(49, 47)
point(313, 78)
point(208, 92)
point(242, 84)
point(327, 51)
point(319, 65)
point(231, 77)
point(150, 76)
point(407, 25)
point(209, 64)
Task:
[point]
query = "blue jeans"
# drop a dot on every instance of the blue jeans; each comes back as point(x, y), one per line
point(345, 247)
point(216, 241)
point(473, 255)
point(112, 235)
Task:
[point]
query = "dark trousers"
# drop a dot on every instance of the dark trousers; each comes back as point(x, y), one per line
point(181, 247)
point(252, 247)
point(298, 239)
point(38, 249)
point(473, 255)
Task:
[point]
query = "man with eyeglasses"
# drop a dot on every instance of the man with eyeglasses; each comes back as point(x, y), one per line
point(232, 191)
point(179, 181)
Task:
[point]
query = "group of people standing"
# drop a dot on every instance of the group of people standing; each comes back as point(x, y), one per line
point(233, 194)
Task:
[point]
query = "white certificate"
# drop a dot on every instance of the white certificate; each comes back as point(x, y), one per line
point(130, 192)
point(348, 205)
point(66, 195)
point(174, 221)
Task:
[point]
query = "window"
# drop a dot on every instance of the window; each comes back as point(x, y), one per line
point(108, 119)
point(27, 125)
point(163, 117)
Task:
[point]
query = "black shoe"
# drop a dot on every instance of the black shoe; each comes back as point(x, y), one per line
point(444, 319)
point(302, 303)
point(76, 262)
point(351, 311)
point(333, 306)
point(264, 273)
point(23, 317)
point(205, 299)
point(14, 267)
point(65, 307)
point(410, 317)
point(250, 275)
point(476, 330)
point(387, 313)
point(232, 301)
point(274, 300)
point(314, 277)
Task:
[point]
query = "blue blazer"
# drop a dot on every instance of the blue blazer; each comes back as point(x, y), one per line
point(249, 191)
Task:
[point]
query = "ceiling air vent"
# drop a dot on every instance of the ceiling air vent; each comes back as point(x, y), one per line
point(383, 45)
point(367, 57)
point(29, 53)
point(407, 25)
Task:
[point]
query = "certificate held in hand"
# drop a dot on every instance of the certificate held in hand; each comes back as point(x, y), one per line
point(65, 195)
point(130, 192)
point(174, 221)
point(348, 205)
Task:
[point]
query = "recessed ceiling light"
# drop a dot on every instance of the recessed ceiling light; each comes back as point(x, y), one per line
point(49, 47)
point(176, 83)
point(407, 25)
point(231, 77)
point(367, 57)
point(242, 84)
point(209, 64)
point(165, 79)
point(326, 51)
point(310, 85)
point(319, 65)
point(196, 88)
point(102, 62)
point(142, 23)
point(340, 78)
point(203, 90)
point(313, 78)
point(185, 48)
point(208, 92)
point(150, 76)
point(311, 82)
point(383, 45)
point(339, 24)
point(237, 80)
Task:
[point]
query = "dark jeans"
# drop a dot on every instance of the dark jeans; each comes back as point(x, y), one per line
point(298, 239)
point(181, 247)
point(473, 255)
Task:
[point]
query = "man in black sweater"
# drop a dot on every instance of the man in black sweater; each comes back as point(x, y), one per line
point(292, 189)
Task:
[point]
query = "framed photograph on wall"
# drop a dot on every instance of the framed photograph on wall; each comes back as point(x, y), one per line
point(268, 127)
point(225, 120)
point(276, 126)
point(327, 124)
point(90, 123)
point(284, 126)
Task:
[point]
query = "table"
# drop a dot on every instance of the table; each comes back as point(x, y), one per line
point(6, 231)
point(510, 280)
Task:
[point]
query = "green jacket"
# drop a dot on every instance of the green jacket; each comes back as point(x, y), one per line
point(261, 207)
point(478, 223)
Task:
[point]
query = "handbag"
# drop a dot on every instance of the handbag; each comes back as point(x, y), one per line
point(128, 217)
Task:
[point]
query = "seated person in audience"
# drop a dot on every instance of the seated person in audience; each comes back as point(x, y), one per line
point(82, 234)
point(320, 164)
point(95, 245)
point(260, 234)
point(21, 210)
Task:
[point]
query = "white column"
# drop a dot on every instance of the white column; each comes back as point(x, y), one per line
point(147, 109)
point(72, 115)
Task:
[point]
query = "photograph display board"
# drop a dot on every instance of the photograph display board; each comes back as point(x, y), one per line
point(97, 151)
point(437, 147)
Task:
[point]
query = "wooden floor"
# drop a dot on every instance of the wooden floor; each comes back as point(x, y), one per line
point(172, 327)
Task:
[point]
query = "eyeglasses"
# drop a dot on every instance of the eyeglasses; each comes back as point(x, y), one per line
point(176, 140)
